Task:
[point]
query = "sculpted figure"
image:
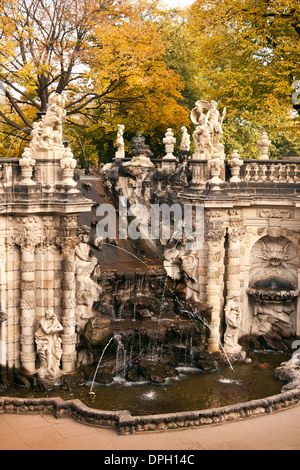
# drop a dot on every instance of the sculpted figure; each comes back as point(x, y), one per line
point(51, 133)
point(120, 142)
point(215, 121)
point(209, 131)
point(35, 133)
point(186, 141)
point(233, 320)
point(49, 345)
point(197, 113)
point(274, 257)
point(88, 291)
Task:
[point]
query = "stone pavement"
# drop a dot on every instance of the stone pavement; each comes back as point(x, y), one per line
point(279, 431)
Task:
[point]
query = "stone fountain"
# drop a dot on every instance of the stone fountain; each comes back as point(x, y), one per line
point(199, 295)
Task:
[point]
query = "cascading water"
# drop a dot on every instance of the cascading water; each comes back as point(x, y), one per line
point(193, 315)
point(121, 356)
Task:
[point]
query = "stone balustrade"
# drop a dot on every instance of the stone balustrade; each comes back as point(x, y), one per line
point(252, 171)
point(271, 171)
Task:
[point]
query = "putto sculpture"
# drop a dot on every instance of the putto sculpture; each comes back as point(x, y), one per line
point(48, 133)
point(209, 132)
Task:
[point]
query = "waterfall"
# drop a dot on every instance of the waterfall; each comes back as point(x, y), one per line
point(121, 356)
point(193, 315)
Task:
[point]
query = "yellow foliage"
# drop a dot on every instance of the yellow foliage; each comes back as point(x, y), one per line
point(105, 57)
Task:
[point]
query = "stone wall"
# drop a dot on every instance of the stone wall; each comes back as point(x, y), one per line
point(245, 268)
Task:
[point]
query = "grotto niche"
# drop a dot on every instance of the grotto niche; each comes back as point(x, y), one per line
point(273, 288)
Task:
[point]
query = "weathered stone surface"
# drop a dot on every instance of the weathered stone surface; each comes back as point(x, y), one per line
point(97, 331)
point(156, 371)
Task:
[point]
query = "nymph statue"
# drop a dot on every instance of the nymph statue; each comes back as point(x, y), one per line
point(49, 347)
point(186, 140)
point(120, 153)
point(87, 271)
point(233, 320)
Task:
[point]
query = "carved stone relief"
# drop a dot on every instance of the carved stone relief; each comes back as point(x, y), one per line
point(88, 291)
point(274, 257)
point(273, 281)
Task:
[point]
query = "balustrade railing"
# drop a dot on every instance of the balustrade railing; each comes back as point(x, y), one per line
point(271, 171)
point(252, 171)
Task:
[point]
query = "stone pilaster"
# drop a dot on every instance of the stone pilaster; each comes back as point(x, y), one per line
point(236, 233)
point(27, 245)
point(215, 236)
point(233, 311)
point(233, 263)
point(68, 241)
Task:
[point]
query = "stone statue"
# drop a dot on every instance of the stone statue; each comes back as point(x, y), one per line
point(48, 133)
point(185, 141)
point(88, 291)
point(140, 162)
point(35, 133)
point(201, 136)
point(49, 346)
point(197, 114)
point(208, 131)
point(233, 320)
point(120, 153)
point(215, 121)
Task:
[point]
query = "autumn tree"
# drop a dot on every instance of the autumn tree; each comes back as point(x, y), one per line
point(105, 56)
point(248, 57)
point(149, 99)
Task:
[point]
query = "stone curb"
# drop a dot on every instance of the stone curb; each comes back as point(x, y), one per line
point(125, 423)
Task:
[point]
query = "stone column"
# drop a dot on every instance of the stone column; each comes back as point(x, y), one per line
point(233, 312)
point(28, 301)
point(68, 241)
point(215, 236)
point(233, 263)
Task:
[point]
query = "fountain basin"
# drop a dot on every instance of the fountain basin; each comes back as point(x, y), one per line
point(264, 295)
point(273, 289)
point(126, 423)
